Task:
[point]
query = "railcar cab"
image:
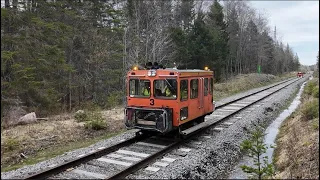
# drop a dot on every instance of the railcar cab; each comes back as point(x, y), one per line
point(162, 99)
point(299, 74)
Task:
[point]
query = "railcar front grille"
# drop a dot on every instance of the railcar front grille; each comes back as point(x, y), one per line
point(156, 119)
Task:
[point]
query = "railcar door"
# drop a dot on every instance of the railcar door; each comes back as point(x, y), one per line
point(206, 96)
point(201, 96)
point(195, 98)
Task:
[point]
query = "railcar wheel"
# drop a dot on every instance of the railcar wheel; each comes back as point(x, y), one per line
point(177, 135)
point(200, 119)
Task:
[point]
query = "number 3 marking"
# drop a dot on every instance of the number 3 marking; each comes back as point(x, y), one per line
point(152, 102)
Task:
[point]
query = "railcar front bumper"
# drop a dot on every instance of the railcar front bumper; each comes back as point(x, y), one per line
point(149, 119)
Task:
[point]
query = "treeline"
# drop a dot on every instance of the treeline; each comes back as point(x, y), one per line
point(57, 55)
point(231, 39)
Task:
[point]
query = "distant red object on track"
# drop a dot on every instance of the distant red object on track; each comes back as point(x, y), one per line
point(299, 74)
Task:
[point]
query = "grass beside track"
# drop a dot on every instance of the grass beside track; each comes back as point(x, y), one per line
point(47, 154)
point(242, 83)
point(62, 133)
point(296, 154)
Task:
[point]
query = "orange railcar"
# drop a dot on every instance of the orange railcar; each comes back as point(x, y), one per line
point(163, 100)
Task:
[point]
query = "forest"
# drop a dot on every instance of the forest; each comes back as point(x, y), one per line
point(60, 55)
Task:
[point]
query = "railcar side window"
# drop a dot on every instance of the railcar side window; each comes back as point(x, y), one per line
point(139, 88)
point(194, 88)
point(183, 90)
point(211, 86)
point(165, 88)
point(206, 86)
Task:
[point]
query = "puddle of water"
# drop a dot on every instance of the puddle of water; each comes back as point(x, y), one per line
point(269, 139)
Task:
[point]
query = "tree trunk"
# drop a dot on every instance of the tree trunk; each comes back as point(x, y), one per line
point(6, 4)
point(70, 95)
point(15, 4)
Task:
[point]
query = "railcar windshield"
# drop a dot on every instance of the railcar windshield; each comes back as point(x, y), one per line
point(165, 88)
point(139, 88)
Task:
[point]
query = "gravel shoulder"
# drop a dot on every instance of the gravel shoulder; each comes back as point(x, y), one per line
point(213, 158)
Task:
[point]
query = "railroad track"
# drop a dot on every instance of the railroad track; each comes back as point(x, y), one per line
point(120, 160)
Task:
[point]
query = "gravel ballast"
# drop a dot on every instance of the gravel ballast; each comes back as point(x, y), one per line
point(210, 157)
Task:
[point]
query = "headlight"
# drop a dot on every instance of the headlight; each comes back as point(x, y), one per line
point(152, 73)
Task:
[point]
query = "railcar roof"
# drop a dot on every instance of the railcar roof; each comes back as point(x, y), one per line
point(181, 72)
point(184, 70)
point(176, 70)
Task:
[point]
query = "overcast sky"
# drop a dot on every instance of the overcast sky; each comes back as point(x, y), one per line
point(297, 23)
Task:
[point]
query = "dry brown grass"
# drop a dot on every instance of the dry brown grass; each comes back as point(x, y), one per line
point(297, 152)
point(58, 131)
point(116, 118)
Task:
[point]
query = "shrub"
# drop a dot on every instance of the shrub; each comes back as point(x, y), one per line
point(310, 109)
point(315, 124)
point(308, 89)
point(81, 116)
point(315, 92)
point(95, 121)
point(11, 144)
point(95, 125)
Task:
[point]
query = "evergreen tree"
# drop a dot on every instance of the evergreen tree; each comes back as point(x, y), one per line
point(233, 30)
point(267, 64)
point(253, 48)
point(218, 31)
point(255, 148)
